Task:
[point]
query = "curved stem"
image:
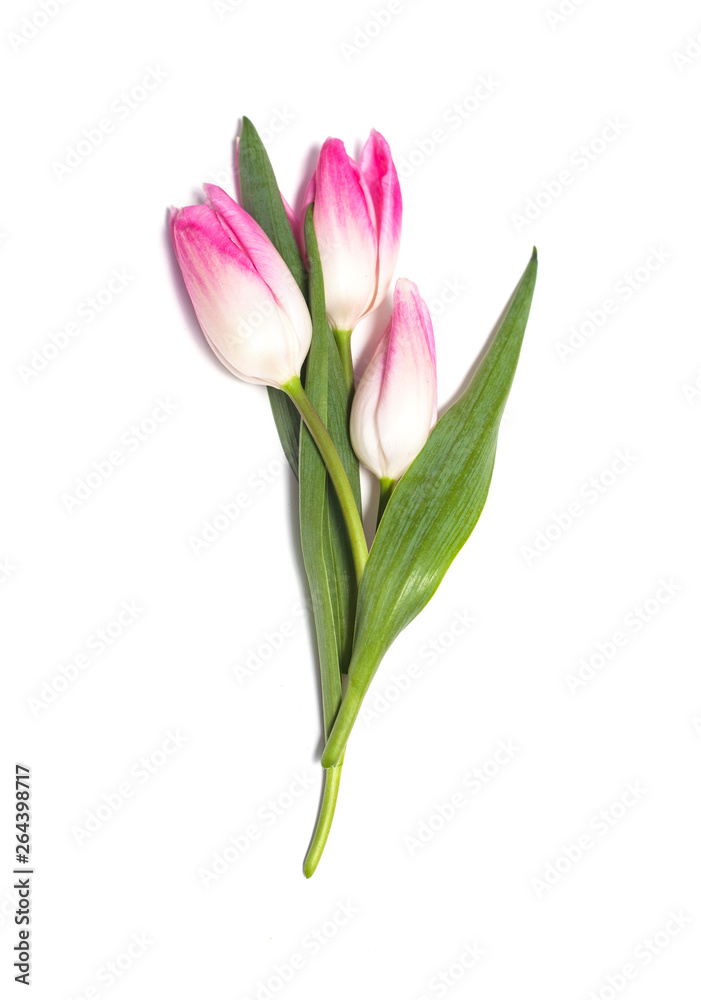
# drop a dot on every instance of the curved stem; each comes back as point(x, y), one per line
point(333, 463)
point(342, 338)
point(332, 779)
point(347, 714)
point(386, 491)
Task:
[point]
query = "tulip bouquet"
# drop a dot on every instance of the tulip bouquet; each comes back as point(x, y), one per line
point(277, 301)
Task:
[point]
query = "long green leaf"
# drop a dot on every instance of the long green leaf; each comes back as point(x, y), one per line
point(287, 424)
point(261, 198)
point(433, 510)
point(327, 557)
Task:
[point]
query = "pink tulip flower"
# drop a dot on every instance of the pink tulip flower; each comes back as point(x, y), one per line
point(358, 221)
point(248, 304)
point(395, 404)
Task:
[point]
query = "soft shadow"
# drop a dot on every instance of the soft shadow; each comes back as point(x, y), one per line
point(371, 503)
point(235, 160)
point(309, 168)
point(370, 331)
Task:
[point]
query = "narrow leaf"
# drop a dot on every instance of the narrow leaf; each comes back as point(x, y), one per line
point(433, 510)
point(287, 423)
point(325, 547)
point(261, 198)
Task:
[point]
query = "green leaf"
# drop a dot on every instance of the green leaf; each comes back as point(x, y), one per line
point(287, 423)
point(261, 198)
point(433, 510)
point(327, 556)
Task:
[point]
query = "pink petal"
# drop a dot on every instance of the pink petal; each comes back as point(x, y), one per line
point(406, 409)
point(291, 217)
point(232, 301)
point(248, 235)
point(365, 436)
point(380, 174)
point(344, 220)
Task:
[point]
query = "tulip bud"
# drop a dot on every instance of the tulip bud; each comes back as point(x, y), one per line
point(248, 304)
point(358, 221)
point(395, 404)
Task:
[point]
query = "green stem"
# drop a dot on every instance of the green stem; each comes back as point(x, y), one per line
point(332, 779)
point(342, 338)
point(386, 491)
point(354, 526)
point(348, 713)
point(334, 465)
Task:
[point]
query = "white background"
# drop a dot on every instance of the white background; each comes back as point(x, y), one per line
point(302, 71)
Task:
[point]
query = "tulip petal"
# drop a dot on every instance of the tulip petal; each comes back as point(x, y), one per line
point(294, 222)
point(396, 402)
point(344, 221)
point(380, 175)
point(237, 311)
point(365, 435)
point(248, 235)
point(407, 407)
